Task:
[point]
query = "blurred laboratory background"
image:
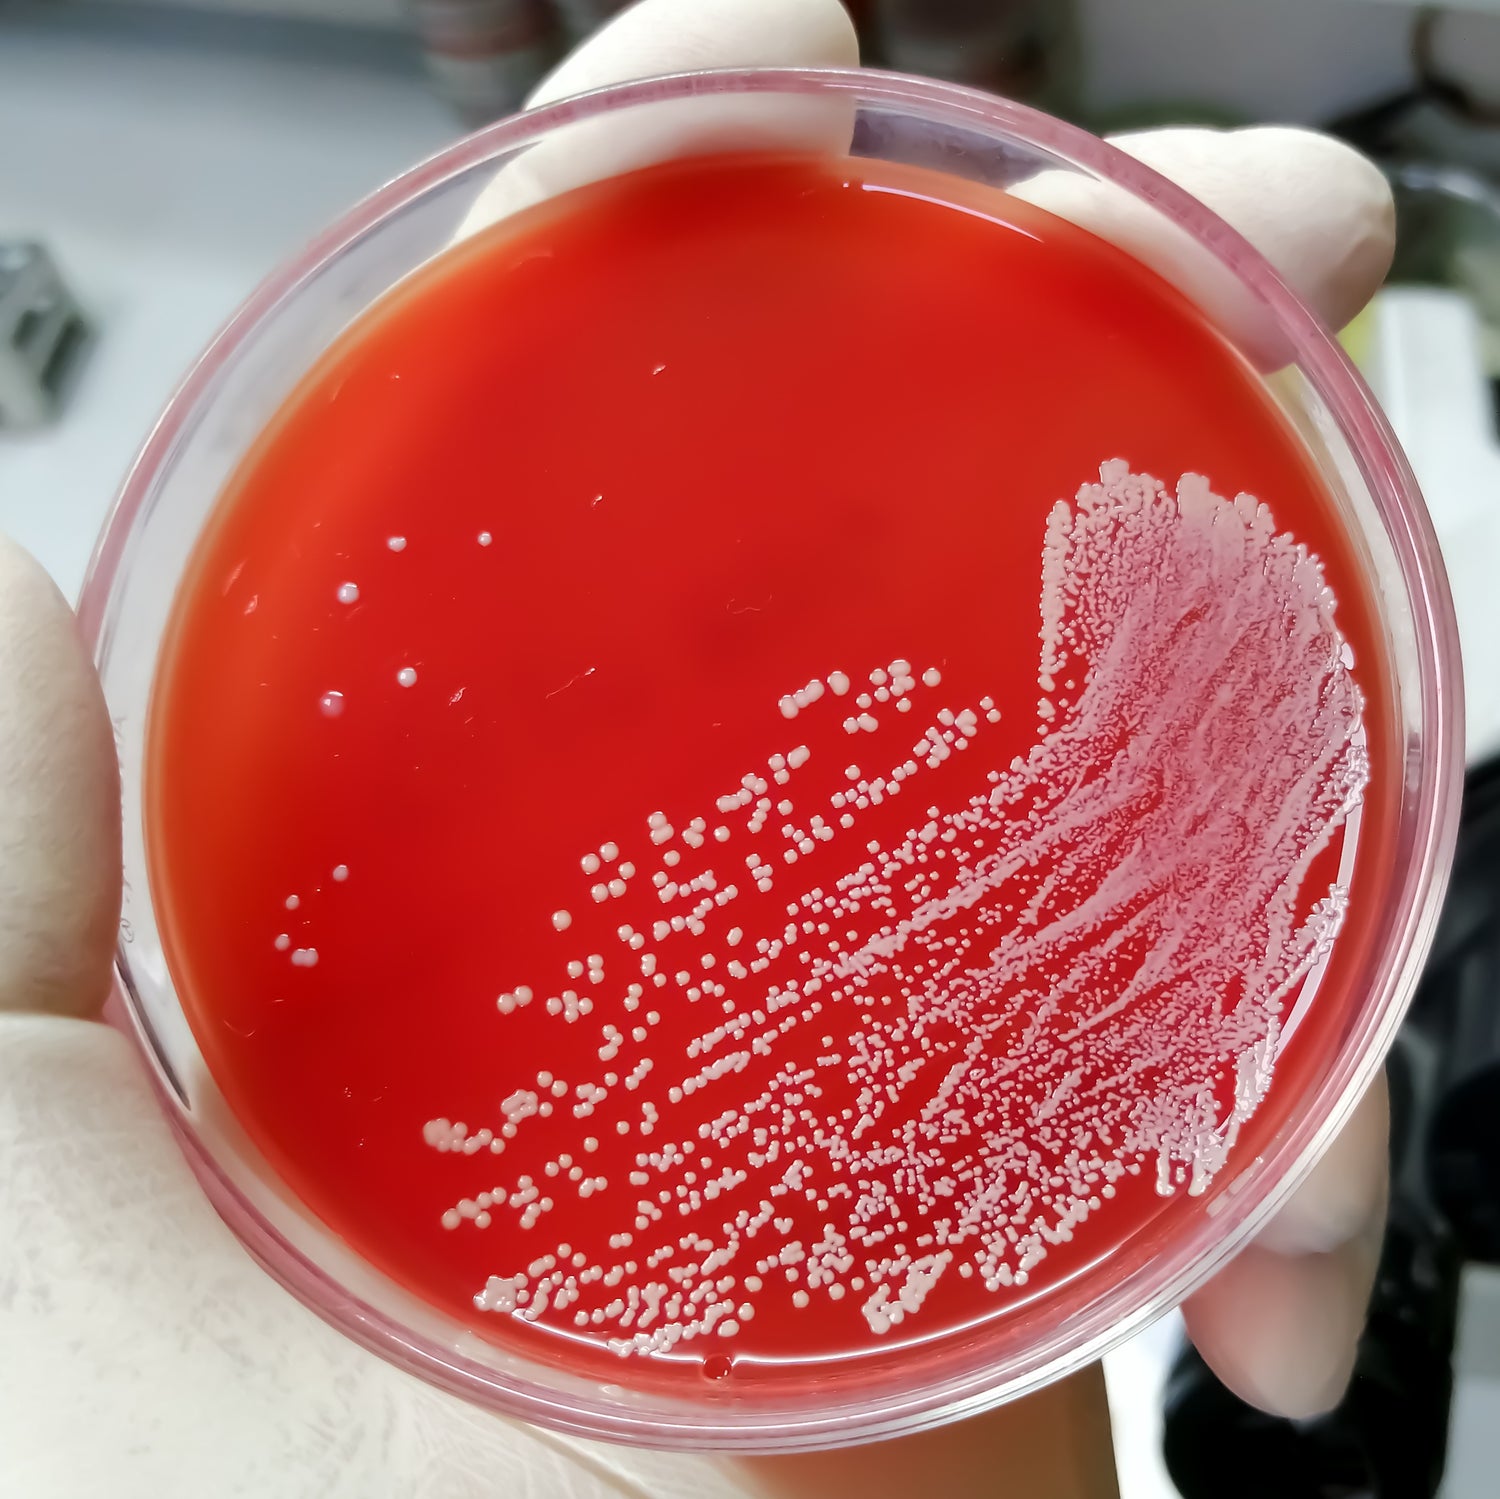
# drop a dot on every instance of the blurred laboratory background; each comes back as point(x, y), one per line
point(158, 159)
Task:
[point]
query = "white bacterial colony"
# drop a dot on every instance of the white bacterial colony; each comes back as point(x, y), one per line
point(943, 1059)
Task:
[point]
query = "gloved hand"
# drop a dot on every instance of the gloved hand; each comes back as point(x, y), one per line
point(143, 1353)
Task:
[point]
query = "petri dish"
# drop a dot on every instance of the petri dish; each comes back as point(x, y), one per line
point(1109, 1118)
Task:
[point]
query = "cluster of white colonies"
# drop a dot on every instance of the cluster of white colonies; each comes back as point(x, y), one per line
point(943, 1061)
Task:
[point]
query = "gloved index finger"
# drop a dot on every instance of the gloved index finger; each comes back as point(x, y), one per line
point(1318, 211)
point(658, 37)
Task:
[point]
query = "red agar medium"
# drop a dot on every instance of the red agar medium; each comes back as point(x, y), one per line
point(760, 767)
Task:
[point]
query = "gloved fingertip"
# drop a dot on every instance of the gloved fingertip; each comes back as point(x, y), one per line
point(1282, 1333)
point(1346, 1190)
point(60, 875)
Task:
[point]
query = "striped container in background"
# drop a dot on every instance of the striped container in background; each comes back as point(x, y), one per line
point(580, 17)
point(486, 55)
point(1023, 49)
point(1020, 48)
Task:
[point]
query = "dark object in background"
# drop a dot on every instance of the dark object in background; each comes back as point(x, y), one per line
point(1439, 120)
point(1448, 234)
point(41, 334)
point(1389, 1437)
point(1438, 116)
point(580, 17)
point(1440, 148)
point(1459, 1015)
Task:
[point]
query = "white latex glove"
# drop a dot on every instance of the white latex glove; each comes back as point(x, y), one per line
point(143, 1353)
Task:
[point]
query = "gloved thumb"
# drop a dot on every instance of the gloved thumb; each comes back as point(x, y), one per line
point(59, 803)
